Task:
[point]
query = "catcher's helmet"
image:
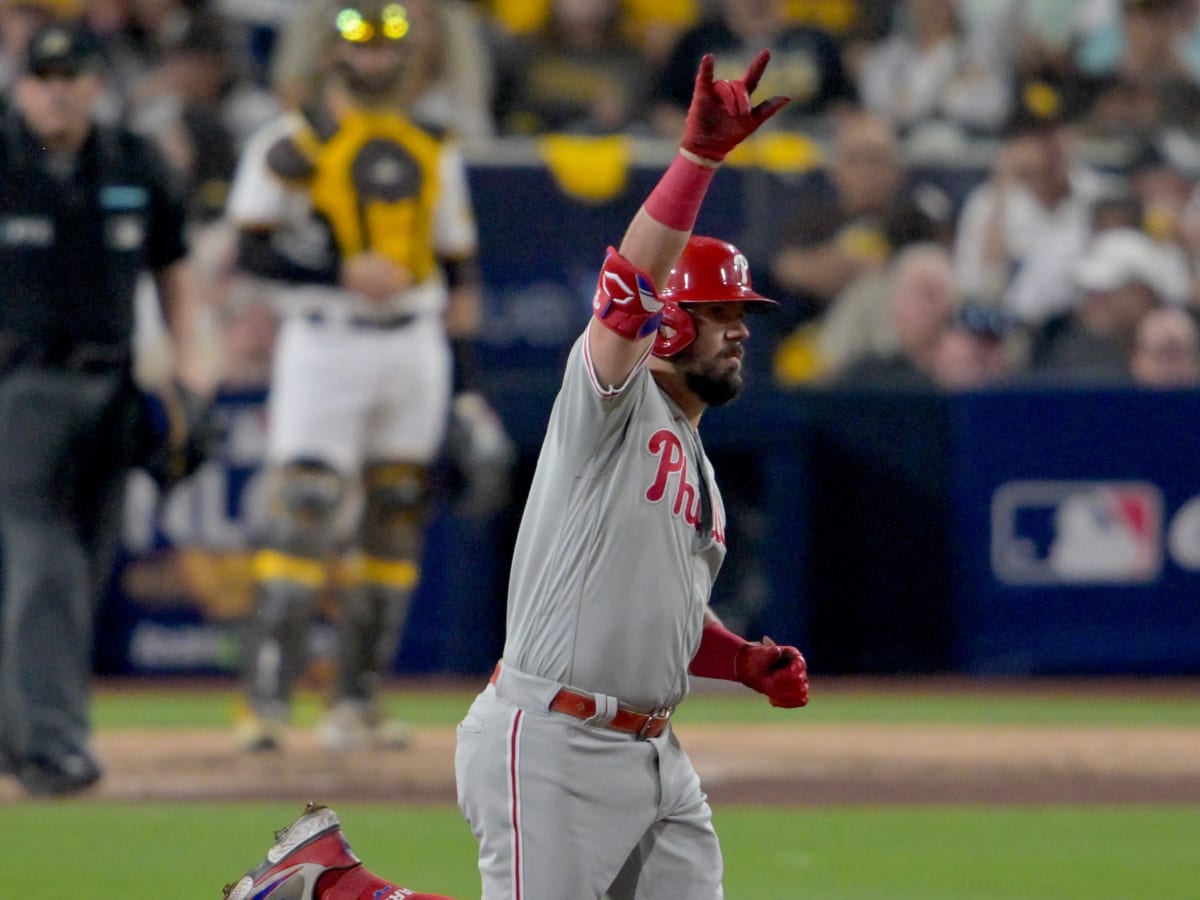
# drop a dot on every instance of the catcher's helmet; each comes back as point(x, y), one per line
point(708, 271)
point(405, 29)
point(363, 21)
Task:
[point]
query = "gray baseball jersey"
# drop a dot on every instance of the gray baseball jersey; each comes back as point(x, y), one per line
point(621, 540)
point(622, 537)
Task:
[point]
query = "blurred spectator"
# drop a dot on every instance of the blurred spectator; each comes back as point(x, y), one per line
point(830, 262)
point(300, 51)
point(972, 351)
point(1118, 115)
point(1150, 47)
point(1037, 37)
point(1187, 229)
point(858, 323)
point(921, 305)
point(578, 73)
point(1135, 36)
point(840, 230)
point(180, 102)
point(1122, 277)
point(1166, 349)
point(806, 63)
point(846, 20)
point(1166, 193)
point(929, 75)
point(1152, 196)
point(135, 35)
point(1044, 283)
point(1036, 188)
point(455, 89)
point(654, 25)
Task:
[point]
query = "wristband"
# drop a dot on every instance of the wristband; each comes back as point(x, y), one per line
point(675, 200)
point(716, 657)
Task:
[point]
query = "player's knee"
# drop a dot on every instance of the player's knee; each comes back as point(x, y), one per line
point(282, 604)
point(397, 508)
point(304, 501)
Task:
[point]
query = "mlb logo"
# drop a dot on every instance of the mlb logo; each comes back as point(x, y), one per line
point(1077, 532)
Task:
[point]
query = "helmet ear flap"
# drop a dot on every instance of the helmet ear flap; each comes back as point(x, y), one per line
point(675, 332)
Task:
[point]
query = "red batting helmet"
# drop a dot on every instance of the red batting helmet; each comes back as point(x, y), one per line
point(709, 271)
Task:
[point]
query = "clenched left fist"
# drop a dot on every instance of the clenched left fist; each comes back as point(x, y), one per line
point(778, 672)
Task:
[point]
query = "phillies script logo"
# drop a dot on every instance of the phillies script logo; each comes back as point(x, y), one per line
point(672, 473)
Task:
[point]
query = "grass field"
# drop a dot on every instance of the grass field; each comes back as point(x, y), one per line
point(78, 850)
point(1166, 703)
point(90, 849)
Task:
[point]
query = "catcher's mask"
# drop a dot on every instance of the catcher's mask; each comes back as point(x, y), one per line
point(376, 24)
point(708, 271)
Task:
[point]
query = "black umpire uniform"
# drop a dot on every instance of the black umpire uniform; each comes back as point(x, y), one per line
point(78, 224)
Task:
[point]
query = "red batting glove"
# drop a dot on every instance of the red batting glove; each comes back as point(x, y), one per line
point(720, 116)
point(779, 672)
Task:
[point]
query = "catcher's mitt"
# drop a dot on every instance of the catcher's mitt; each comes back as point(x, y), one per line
point(177, 430)
point(479, 458)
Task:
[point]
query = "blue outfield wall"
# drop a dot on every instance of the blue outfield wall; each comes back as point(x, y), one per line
point(1075, 523)
point(1032, 530)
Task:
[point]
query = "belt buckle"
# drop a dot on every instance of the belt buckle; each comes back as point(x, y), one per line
point(662, 714)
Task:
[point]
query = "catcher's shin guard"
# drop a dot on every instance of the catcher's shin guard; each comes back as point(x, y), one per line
point(396, 511)
point(375, 605)
point(370, 625)
point(302, 507)
point(275, 651)
point(289, 571)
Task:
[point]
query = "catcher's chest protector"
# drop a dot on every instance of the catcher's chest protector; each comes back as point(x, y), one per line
point(375, 181)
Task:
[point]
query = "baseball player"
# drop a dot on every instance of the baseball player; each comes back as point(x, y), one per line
point(364, 217)
point(568, 771)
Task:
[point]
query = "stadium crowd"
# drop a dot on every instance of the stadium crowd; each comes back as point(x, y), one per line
point(1078, 121)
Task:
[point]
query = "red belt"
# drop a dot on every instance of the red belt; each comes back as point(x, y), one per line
point(628, 721)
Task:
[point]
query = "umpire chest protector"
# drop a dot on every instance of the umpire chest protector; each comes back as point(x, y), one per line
point(373, 178)
point(72, 244)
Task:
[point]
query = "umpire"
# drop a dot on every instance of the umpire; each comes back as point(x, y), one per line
point(84, 210)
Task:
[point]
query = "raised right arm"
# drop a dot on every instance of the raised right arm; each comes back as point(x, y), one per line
point(626, 310)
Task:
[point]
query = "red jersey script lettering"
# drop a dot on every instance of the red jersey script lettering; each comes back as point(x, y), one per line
point(672, 463)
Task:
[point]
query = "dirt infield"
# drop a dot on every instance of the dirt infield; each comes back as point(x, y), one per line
point(794, 764)
point(822, 764)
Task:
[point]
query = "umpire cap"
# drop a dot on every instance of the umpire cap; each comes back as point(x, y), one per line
point(62, 50)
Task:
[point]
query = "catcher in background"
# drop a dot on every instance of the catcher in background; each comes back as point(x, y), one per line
point(364, 219)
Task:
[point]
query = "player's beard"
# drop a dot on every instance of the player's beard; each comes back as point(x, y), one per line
point(709, 379)
point(373, 84)
point(371, 87)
